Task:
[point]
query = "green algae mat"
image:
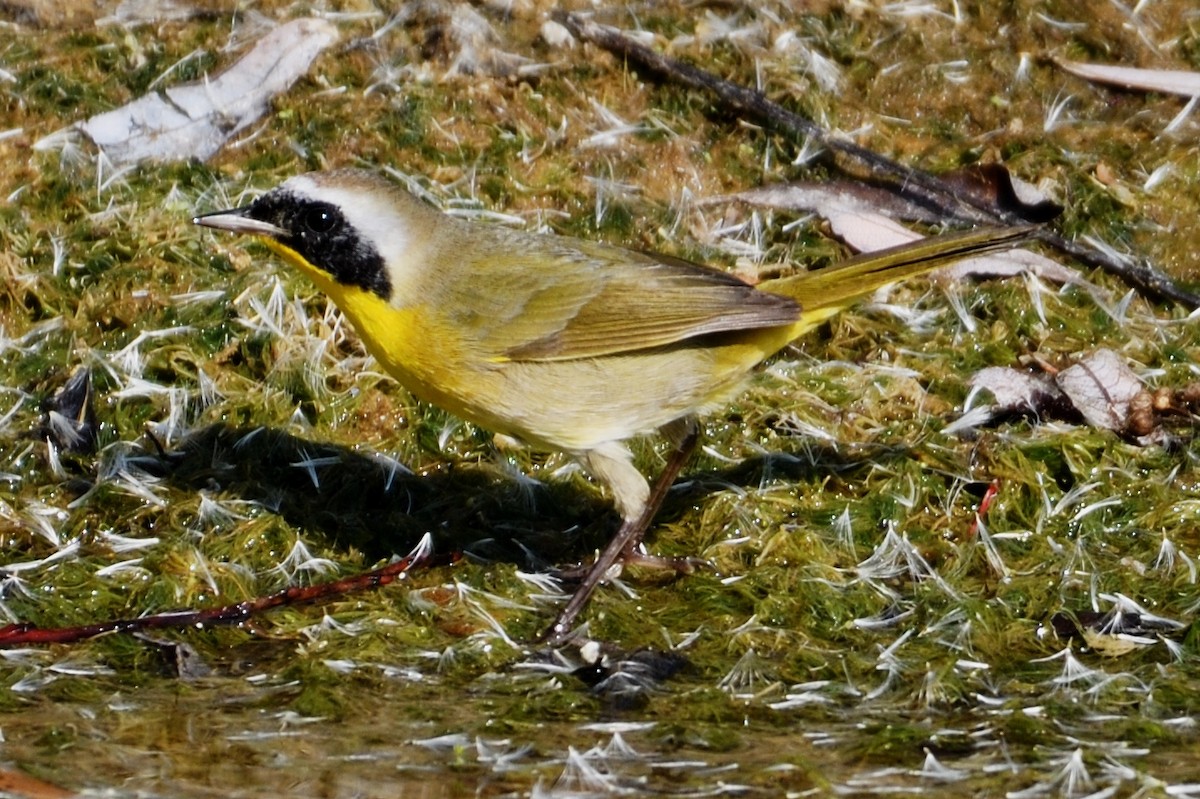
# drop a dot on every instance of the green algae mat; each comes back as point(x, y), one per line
point(921, 576)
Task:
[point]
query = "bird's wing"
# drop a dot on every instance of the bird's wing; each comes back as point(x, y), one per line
point(588, 300)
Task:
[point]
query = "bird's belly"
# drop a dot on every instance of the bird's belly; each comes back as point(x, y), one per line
point(569, 405)
point(576, 405)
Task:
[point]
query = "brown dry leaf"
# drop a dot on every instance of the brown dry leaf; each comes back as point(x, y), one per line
point(1101, 387)
point(1010, 264)
point(179, 658)
point(844, 194)
point(864, 217)
point(195, 120)
point(1016, 391)
point(865, 230)
point(994, 185)
point(991, 184)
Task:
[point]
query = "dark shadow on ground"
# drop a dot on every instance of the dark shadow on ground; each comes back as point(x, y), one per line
point(363, 502)
point(360, 502)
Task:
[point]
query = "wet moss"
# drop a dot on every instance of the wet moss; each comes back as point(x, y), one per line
point(797, 526)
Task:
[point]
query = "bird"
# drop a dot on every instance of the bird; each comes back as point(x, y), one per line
point(565, 344)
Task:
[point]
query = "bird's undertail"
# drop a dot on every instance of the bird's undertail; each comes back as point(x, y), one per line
point(824, 292)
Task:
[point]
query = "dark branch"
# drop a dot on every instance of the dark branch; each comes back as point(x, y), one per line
point(915, 183)
point(27, 634)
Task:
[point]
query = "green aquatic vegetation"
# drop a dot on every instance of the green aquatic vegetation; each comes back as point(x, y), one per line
point(855, 620)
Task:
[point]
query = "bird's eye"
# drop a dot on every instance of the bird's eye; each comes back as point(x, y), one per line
point(319, 220)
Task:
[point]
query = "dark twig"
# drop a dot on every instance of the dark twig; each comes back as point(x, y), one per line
point(923, 186)
point(27, 634)
point(920, 185)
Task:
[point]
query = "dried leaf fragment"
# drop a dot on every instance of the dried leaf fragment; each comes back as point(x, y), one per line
point(865, 217)
point(1115, 633)
point(195, 120)
point(179, 658)
point(990, 184)
point(1016, 391)
point(1168, 81)
point(996, 186)
point(1101, 387)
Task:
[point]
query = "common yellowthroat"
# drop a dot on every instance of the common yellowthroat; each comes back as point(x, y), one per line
point(566, 344)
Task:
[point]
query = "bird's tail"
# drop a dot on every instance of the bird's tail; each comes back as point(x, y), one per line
point(825, 292)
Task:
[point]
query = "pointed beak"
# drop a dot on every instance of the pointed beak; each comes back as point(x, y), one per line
point(238, 220)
